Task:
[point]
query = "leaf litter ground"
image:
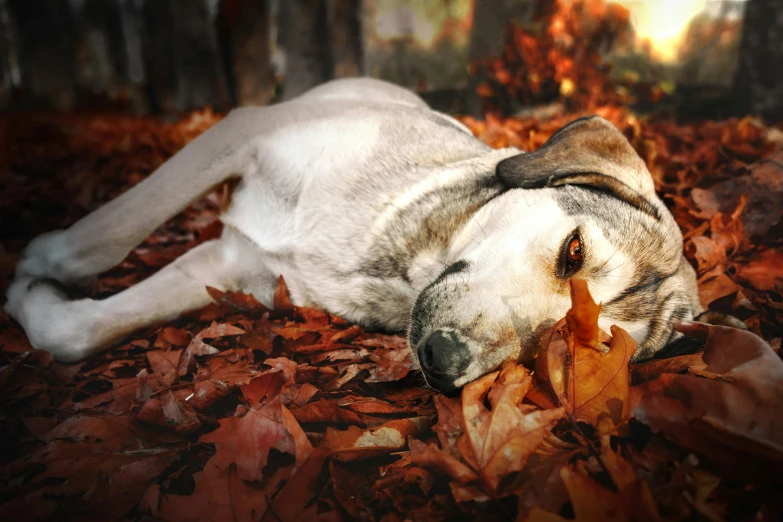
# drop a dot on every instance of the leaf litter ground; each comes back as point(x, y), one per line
point(237, 412)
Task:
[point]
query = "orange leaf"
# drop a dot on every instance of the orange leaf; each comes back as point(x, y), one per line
point(590, 381)
point(499, 441)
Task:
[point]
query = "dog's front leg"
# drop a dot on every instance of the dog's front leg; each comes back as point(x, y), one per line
point(74, 329)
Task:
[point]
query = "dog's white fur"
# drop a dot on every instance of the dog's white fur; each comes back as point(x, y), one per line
point(335, 189)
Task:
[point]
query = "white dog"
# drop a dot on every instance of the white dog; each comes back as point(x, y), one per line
point(389, 214)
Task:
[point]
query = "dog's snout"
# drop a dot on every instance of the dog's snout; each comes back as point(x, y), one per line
point(444, 359)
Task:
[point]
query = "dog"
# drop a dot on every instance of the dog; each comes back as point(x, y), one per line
point(392, 215)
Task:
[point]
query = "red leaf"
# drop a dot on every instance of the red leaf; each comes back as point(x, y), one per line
point(246, 441)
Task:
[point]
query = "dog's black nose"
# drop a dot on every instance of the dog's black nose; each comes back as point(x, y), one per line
point(444, 359)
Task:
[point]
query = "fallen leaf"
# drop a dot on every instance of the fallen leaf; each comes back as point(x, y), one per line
point(501, 439)
point(736, 421)
point(246, 441)
point(589, 380)
point(359, 444)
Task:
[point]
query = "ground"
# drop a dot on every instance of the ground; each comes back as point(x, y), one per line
point(236, 412)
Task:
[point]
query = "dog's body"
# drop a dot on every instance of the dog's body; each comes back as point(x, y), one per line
point(379, 209)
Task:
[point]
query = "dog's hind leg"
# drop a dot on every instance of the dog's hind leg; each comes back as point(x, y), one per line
point(74, 329)
point(103, 238)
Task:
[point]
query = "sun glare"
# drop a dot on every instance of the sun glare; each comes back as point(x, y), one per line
point(663, 22)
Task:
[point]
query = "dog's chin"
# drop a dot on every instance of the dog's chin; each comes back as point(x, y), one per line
point(447, 387)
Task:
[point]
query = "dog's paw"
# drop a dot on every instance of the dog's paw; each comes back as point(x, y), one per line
point(44, 256)
point(51, 256)
point(50, 320)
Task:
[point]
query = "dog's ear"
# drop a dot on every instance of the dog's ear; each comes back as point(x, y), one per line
point(590, 152)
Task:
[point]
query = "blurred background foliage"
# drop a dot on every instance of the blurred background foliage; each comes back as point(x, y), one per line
point(468, 56)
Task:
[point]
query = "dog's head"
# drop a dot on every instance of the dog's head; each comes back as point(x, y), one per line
point(583, 205)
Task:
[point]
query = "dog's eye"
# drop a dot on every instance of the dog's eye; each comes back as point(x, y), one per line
point(575, 250)
point(571, 256)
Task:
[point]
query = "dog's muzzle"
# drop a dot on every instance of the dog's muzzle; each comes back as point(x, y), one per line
point(444, 358)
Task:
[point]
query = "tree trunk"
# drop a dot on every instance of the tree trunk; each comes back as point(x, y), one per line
point(200, 81)
point(102, 62)
point(308, 57)
point(759, 79)
point(158, 56)
point(8, 58)
point(47, 50)
point(486, 41)
point(347, 38)
point(243, 26)
point(182, 59)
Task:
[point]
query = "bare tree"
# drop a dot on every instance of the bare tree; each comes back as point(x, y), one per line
point(244, 26)
point(490, 18)
point(47, 49)
point(759, 79)
point(199, 78)
point(182, 60)
point(305, 35)
point(347, 38)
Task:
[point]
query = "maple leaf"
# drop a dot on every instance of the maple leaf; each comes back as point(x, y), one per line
point(262, 387)
point(246, 441)
point(593, 502)
point(589, 380)
point(197, 346)
point(219, 495)
point(499, 441)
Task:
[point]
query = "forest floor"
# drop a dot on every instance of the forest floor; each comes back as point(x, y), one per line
point(236, 412)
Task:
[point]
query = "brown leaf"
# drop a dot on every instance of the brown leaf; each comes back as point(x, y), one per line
point(589, 383)
point(163, 361)
point(500, 440)
point(219, 495)
point(765, 272)
point(246, 441)
point(715, 288)
point(237, 301)
point(326, 411)
point(432, 458)
point(649, 370)
point(391, 365)
point(449, 425)
point(296, 499)
point(357, 444)
point(736, 421)
point(170, 411)
point(592, 502)
point(173, 336)
point(197, 346)
point(282, 301)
